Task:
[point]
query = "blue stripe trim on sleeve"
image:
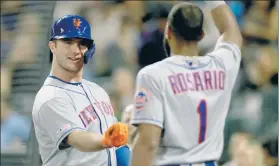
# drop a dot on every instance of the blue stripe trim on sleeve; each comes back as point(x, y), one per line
point(147, 120)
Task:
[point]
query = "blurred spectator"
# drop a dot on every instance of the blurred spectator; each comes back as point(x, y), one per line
point(238, 9)
point(271, 152)
point(114, 100)
point(260, 22)
point(245, 151)
point(118, 48)
point(18, 36)
point(259, 29)
point(136, 9)
point(14, 126)
point(5, 80)
point(262, 66)
point(151, 49)
point(122, 52)
point(24, 49)
point(126, 118)
point(254, 108)
point(10, 12)
point(106, 24)
point(123, 83)
point(268, 129)
point(63, 8)
point(25, 40)
point(14, 130)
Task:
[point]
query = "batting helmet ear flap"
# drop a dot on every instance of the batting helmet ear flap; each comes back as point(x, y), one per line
point(89, 53)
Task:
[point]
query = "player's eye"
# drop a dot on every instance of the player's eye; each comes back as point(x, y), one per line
point(68, 41)
point(84, 43)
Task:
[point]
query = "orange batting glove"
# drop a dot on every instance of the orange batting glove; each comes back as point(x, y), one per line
point(116, 135)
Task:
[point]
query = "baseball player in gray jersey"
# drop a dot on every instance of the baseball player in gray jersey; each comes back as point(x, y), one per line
point(73, 118)
point(182, 102)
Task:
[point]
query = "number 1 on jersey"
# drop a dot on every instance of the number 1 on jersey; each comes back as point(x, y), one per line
point(202, 111)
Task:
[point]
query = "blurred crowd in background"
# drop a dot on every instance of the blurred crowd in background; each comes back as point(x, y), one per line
point(128, 36)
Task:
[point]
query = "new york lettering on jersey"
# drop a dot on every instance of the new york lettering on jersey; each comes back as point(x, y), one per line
point(88, 113)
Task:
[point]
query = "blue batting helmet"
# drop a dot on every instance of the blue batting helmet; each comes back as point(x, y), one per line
point(74, 26)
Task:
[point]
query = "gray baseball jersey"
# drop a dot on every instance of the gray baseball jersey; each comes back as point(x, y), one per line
point(189, 98)
point(60, 108)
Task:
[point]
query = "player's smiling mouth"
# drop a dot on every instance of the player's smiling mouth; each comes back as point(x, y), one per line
point(75, 59)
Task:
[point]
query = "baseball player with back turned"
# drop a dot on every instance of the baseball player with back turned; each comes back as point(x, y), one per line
point(182, 102)
point(73, 118)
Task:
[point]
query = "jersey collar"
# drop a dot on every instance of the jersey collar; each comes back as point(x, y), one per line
point(56, 82)
point(70, 83)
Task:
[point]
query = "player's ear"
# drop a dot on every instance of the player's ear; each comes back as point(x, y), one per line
point(169, 33)
point(51, 45)
point(202, 35)
point(166, 32)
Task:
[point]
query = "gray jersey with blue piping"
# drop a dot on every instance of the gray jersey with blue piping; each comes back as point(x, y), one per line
point(189, 98)
point(60, 108)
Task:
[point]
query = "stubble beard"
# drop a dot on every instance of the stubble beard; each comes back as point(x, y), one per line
point(71, 69)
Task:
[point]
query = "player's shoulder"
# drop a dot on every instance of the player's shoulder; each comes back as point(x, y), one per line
point(53, 87)
point(47, 93)
point(154, 70)
point(91, 84)
point(94, 86)
point(222, 47)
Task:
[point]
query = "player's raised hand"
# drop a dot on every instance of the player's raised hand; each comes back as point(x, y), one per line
point(116, 135)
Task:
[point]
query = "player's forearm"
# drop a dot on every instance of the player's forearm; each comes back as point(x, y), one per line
point(225, 22)
point(86, 141)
